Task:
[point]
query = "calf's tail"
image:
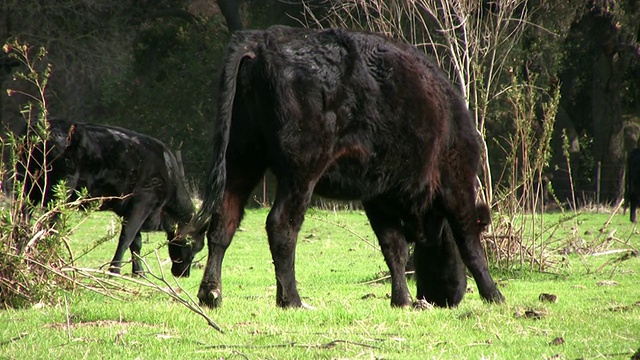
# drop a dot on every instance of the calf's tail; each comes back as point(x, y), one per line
point(239, 49)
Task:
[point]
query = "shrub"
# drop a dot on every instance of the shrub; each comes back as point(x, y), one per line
point(32, 236)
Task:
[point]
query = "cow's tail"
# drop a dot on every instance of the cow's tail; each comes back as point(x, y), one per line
point(239, 50)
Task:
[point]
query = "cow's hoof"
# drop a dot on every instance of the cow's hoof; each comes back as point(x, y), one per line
point(289, 304)
point(401, 302)
point(445, 303)
point(495, 297)
point(114, 270)
point(212, 298)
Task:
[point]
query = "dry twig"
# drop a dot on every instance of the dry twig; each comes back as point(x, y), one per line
point(147, 281)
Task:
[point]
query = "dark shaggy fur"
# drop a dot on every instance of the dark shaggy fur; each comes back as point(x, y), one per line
point(346, 115)
point(114, 162)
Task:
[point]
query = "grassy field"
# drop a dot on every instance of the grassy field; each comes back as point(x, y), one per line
point(596, 316)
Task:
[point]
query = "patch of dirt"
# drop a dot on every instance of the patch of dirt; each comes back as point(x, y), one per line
point(625, 307)
point(548, 298)
point(607, 283)
point(531, 313)
point(422, 305)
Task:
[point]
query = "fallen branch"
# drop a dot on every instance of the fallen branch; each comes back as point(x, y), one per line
point(61, 273)
point(190, 303)
point(13, 339)
point(609, 252)
point(344, 227)
point(383, 278)
point(328, 345)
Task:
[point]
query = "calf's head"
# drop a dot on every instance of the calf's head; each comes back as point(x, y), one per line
point(182, 250)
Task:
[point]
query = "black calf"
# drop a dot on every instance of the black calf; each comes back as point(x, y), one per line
point(114, 162)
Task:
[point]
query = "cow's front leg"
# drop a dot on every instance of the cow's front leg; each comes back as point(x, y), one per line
point(439, 270)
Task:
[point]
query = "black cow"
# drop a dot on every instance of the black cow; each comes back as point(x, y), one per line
point(138, 171)
point(346, 115)
point(632, 183)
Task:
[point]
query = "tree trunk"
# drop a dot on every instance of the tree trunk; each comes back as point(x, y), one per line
point(608, 144)
point(230, 9)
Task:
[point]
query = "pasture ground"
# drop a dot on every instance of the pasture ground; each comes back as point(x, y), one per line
point(596, 316)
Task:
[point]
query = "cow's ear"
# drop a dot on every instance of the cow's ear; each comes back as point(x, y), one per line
point(74, 136)
point(484, 214)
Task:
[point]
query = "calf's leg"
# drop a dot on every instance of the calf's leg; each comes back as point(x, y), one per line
point(131, 224)
point(135, 248)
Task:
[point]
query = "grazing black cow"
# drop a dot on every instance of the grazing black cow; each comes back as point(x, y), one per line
point(346, 115)
point(632, 183)
point(140, 172)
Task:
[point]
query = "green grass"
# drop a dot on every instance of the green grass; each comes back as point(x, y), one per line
point(335, 265)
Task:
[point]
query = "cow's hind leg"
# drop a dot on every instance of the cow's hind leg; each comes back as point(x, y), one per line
point(389, 230)
point(225, 220)
point(283, 224)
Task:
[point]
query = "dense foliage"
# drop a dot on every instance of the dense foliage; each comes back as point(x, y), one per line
point(151, 66)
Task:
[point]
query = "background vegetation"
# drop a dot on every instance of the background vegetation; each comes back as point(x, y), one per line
point(151, 66)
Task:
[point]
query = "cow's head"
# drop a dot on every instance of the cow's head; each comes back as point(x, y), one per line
point(182, 250)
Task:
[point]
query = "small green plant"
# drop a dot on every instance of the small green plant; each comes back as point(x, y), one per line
point(516, 240)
